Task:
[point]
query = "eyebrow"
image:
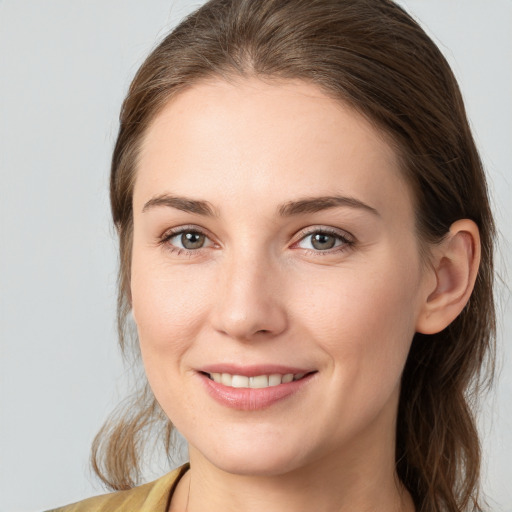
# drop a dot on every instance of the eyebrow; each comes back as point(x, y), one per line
point(181, 203)
point(288, 209)
point(316, 204)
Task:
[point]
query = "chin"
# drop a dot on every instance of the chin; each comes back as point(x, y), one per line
point(260, 466)
point(265, 458)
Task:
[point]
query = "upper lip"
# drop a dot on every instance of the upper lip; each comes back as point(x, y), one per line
point(254, 370)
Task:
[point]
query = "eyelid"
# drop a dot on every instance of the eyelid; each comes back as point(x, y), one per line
point(325, 229)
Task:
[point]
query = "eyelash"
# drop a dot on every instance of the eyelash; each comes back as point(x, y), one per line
point(347, 241)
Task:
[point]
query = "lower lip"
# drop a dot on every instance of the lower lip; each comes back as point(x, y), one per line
point(252, 399)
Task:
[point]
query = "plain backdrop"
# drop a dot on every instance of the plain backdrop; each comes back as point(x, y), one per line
point(64, 69)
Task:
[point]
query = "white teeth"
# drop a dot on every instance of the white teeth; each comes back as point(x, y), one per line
point(240, 381)
point(261, 381)
point(274, 379)
point(257, 382)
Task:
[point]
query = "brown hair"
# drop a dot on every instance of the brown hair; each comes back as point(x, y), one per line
point(375, 57)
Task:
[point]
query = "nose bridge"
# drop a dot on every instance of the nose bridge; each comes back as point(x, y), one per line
point(249, 300)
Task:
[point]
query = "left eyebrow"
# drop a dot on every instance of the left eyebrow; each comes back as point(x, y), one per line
point(316, 204)
point(185, 204)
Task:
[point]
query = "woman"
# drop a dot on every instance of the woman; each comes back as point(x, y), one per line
point(306, 251)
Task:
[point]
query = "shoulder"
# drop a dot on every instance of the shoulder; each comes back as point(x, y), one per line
point(150, 497)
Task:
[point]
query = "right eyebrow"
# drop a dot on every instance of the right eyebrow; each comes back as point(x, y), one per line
point(181, 203)
point(317, 204)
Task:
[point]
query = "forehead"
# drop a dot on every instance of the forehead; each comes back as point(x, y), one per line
point(252, 140)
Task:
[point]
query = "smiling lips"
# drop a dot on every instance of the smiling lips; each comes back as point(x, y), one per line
point(254, 388)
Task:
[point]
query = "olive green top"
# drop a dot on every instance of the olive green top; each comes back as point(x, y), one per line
point(152, 497)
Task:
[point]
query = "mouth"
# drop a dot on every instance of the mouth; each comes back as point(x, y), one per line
point(254, 387)
point(255, 382)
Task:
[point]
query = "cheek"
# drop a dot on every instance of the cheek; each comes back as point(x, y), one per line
point(364, 318)
point(169, 306)
point(364, 324)
point(169, 309)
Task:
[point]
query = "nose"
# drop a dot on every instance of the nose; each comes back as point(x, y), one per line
point(250, 302)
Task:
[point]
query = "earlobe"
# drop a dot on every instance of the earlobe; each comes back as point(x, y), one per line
point(455, 265)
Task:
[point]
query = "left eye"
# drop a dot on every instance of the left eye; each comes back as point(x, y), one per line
point(322, 241)
point(189, 240)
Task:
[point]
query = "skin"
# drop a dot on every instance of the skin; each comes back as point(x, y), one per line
point(259, 292)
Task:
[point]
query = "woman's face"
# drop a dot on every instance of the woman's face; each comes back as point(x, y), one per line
point(273, 240)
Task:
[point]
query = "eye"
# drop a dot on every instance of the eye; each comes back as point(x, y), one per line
point(323, 240)
point(186, 239)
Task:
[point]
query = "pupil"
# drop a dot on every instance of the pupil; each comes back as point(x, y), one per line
point(323, 241)
point(192, 240)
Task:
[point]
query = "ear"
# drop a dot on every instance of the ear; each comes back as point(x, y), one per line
point(455, 266)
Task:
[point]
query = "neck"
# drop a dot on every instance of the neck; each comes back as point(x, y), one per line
point(333, 484)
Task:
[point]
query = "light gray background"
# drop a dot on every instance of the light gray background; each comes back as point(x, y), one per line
point(64, 68)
